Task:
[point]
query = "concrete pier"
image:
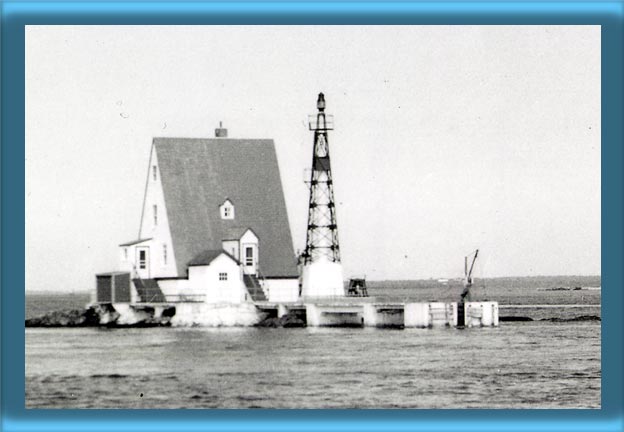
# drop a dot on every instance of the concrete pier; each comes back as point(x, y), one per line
point(345, 313)
point(330, 312)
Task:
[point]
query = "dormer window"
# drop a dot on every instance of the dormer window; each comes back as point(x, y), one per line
point(227, 210)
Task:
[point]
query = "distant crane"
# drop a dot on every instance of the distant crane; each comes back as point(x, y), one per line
point(468, 274)
point(465, 295)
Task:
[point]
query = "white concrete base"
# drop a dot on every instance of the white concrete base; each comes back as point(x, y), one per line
point(334, 316)
point(443, 314)
point(383, 316)
point(216, 315)
point(282, 310)
point(435, 314)
point(322, 279)
point(481, 314)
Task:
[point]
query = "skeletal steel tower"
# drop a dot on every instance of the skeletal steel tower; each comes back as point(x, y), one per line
point(322, 272)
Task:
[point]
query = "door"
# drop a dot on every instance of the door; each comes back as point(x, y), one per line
point(142, 262)
point(250, 259)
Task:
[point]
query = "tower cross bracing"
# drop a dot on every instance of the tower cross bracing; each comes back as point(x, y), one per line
point(322, 232)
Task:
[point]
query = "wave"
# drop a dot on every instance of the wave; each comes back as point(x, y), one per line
point(551, 319)
point(112, 375)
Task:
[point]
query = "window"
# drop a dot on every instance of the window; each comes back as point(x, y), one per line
point(155, 214)
point(154, 172)
point(248, 256)
point(164, 254)
point(126, 253)
point(142, 259)
point(222, 276)
point(227, 210)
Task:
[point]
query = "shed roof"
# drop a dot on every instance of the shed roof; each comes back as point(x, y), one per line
point(199, 174)
point(208, 256)
point(113, 273)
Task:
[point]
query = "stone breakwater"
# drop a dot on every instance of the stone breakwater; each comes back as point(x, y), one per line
point(108, 316)
point(289, 320)
point(94, 316)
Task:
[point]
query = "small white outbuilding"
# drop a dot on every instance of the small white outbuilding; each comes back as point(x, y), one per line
point(218, 277)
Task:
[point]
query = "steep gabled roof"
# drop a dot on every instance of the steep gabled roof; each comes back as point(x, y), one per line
point(208, 256)
point(134, 242)
point(197, 176)
point(235, 233)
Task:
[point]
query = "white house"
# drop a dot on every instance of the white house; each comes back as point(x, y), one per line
point(218, 276)
point(211, 207)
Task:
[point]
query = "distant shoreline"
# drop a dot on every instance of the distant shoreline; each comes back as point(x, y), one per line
point(562, 281)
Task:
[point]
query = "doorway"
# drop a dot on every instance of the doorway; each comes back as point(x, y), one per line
point(142, 262)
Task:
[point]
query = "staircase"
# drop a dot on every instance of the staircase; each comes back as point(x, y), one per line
point(253, 287)
point(148, 291)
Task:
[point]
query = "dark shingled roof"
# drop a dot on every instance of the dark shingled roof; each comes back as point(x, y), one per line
point(207, 256)
point(199, 174)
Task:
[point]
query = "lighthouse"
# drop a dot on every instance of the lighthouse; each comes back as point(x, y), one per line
point(322, 271)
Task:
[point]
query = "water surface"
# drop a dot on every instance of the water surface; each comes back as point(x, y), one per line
point(518, 365)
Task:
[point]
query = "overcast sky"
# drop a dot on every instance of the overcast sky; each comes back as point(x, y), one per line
point(446, 139)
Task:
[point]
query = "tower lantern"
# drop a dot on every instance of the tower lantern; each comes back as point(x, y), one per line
point(322, 271)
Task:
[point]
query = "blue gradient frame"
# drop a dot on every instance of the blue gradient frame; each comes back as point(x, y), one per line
point(15, 16)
